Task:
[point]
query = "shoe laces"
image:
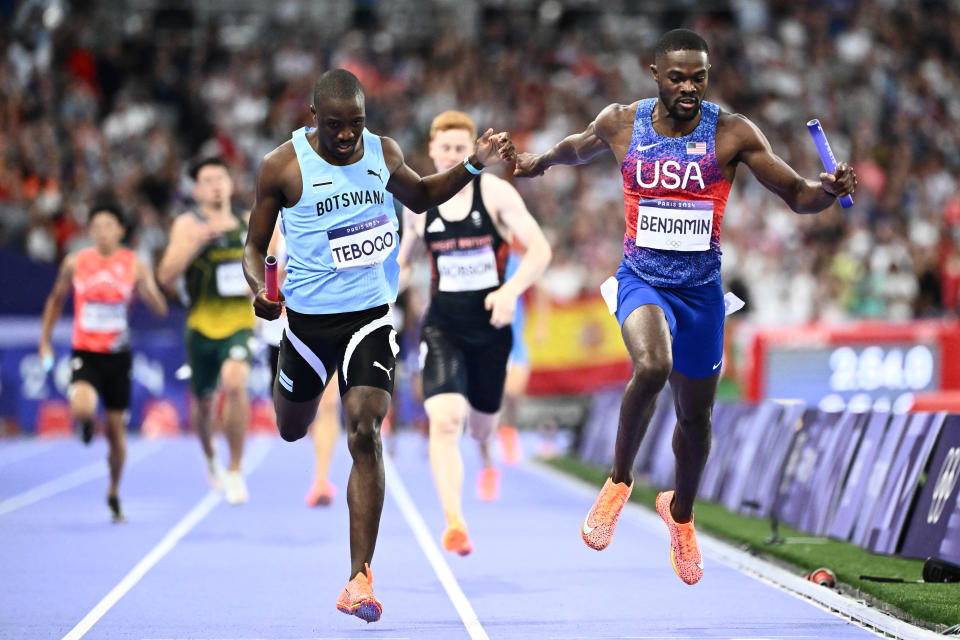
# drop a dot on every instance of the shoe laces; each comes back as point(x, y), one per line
point(688, 541)
point(610, 504)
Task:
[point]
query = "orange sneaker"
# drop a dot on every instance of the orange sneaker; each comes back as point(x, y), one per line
point(684, 551)
point(509, 444)
point(488, 484)
point(600, 523)
point(455, 538)
point(357, 597)
point(321, 495)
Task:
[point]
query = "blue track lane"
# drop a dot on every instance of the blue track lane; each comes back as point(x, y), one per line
point(272, 569)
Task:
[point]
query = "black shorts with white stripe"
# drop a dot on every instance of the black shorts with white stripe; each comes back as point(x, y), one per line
point(362, 345)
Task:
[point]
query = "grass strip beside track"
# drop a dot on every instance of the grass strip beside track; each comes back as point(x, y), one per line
point(932, 603)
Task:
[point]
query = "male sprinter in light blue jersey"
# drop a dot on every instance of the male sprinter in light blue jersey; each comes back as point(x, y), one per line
point(678, 156)
point(333, 185)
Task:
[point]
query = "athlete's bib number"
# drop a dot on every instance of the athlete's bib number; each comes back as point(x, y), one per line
point(230, 280)
point(362, 245)
point(676, 225)
point(471, 270)
point(98, 317)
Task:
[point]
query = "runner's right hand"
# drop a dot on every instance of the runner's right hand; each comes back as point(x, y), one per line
point(527, 165)
point(265, 308)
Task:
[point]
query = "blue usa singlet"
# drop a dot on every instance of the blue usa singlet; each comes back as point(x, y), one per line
point(342, 235)
point(674, 195)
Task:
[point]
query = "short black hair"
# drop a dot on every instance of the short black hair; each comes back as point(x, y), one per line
point(108, 206)
point(681, 40)
point(339, 84)
point(213, 161)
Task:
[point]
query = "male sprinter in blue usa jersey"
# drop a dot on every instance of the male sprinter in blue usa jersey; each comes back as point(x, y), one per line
point(678, 156)
point(333, 186)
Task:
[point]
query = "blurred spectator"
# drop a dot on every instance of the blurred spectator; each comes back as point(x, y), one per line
point(98, 98)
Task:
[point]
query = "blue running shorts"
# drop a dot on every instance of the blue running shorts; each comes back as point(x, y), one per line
point(695, 316)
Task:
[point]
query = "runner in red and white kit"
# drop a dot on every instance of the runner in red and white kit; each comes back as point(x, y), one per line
point(678, 155)
point(104, 278)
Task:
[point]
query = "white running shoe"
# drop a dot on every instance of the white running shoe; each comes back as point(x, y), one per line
point(235, 489)
point(215, 474)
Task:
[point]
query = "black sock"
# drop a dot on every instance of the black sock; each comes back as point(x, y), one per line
point(114, 503)
point(86, 431)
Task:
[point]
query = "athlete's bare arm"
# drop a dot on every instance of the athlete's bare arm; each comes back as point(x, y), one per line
point(419, 194)
point(188, 237)
point(263, 220)
point(510, 212)
point(610, 130)
point(54, 304)
point(149, 292)
point(739, 140)
point(411, 245)
point(273, 249)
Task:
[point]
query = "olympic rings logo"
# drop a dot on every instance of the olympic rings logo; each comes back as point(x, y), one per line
point(946, 481)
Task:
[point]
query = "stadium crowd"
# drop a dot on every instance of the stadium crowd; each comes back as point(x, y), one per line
point(94, 100)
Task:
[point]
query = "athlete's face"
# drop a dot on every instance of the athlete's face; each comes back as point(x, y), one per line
point(682, 79)
point(105, 230)
point(339, 125)
point(448, 148)
point(214, 186)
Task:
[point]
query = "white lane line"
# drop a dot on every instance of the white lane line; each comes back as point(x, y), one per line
point(16, 452)
point(421, 532)
point(169, 541)
point(844, 607)
point(92, 471)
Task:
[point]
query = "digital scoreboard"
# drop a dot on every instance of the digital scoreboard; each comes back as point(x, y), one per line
point(866, 364)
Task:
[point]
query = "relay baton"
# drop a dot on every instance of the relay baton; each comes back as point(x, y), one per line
point(826, 155)
point(270, 276)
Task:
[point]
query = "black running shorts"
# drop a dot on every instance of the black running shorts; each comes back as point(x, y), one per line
point(108, 373)
point(471, 363)
point(362, 345)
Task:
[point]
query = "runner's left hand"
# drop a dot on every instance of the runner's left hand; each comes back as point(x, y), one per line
point(501, 304)
point(488, 147)
point(505, 148)
point(842, 182)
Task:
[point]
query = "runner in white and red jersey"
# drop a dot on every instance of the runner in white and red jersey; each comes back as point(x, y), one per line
point(104, 278)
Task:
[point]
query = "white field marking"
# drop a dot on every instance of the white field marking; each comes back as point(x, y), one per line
point(421, 532)
point(258, 452)
point(858, 613)
point(13, 453)
point(92, 471)
point(596, 637)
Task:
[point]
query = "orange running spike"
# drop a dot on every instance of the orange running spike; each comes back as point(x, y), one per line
point(600, 523)
point(684, 551)
point(357, 597)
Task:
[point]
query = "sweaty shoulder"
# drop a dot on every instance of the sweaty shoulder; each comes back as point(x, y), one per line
point(735, 134)
point(279, 175)
point(392, 155)
point(615, 118)
point(278, 159)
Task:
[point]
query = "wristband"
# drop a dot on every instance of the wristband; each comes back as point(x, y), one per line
point(472, 169)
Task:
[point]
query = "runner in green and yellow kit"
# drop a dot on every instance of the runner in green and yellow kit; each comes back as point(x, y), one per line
point(206, 247)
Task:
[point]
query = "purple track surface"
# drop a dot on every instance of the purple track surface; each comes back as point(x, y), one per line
point(272, 569)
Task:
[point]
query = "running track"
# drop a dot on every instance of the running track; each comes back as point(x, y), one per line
point(188, 566)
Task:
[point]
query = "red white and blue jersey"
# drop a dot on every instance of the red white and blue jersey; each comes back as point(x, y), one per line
point(674, 197)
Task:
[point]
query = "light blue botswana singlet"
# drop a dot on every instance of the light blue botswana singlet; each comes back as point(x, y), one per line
point(342, 235)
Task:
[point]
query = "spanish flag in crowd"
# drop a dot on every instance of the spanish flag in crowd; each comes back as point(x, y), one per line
point(575, 347)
